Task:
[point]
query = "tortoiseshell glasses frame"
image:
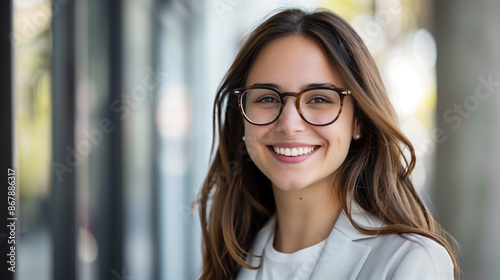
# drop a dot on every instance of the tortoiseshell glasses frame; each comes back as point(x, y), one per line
point(341, 92)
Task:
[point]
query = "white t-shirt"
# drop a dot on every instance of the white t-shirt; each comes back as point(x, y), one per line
point(295, 266)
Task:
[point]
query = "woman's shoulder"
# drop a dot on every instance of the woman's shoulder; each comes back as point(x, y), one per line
point(397, 256)
point(406, 244)
point(408, 256)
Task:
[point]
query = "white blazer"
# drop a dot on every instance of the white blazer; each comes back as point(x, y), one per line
point(350, 254)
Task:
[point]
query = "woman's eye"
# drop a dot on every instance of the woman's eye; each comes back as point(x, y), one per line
point(267, 99)
point(319, 100)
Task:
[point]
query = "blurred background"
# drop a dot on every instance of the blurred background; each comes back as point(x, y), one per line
point(113, 108)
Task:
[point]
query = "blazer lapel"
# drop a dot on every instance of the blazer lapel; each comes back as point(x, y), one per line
point(258, 249)
point(343, 257)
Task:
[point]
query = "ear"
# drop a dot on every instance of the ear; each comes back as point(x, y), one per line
point(356, 132)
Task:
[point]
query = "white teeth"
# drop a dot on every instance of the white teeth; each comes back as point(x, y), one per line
point(294, 151)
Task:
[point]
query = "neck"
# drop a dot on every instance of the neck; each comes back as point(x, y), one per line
point(305, 217)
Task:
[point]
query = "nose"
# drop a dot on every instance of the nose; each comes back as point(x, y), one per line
point(290, 121)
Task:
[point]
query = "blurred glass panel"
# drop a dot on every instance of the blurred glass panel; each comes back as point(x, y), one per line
point(32, 47)
point(141, 82)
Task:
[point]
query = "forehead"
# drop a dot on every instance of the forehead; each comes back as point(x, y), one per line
point(291, 62)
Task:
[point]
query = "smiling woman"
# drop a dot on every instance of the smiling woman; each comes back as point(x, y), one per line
point(322, 189)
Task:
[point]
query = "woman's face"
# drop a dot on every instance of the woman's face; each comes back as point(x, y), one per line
point(292, 63)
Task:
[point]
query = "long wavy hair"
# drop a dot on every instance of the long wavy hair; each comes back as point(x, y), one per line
point(375, 174)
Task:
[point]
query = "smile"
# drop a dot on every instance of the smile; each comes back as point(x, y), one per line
point(293, 152)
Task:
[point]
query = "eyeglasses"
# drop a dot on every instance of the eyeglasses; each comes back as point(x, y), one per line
point(319, 105)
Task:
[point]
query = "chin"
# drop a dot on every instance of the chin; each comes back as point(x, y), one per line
point(290, 186)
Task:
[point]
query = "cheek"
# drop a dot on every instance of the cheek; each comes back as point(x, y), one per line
point(253, 135)
point(336, 153)
point(340, 142)
point(338, 138)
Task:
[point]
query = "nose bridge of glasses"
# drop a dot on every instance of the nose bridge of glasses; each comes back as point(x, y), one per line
point(291, 94)
point(294, 102)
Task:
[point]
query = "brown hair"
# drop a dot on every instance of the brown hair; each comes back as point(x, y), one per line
point(375, 174)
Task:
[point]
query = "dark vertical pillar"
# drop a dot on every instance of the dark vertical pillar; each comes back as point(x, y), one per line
point(155, 142)
point(63, 142)
point(110, 217)
point(467, 185)
point(6, 141)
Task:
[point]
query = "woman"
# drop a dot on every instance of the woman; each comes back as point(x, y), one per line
point(311, 175)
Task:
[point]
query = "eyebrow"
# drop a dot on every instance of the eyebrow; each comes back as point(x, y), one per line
point(305, 86)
